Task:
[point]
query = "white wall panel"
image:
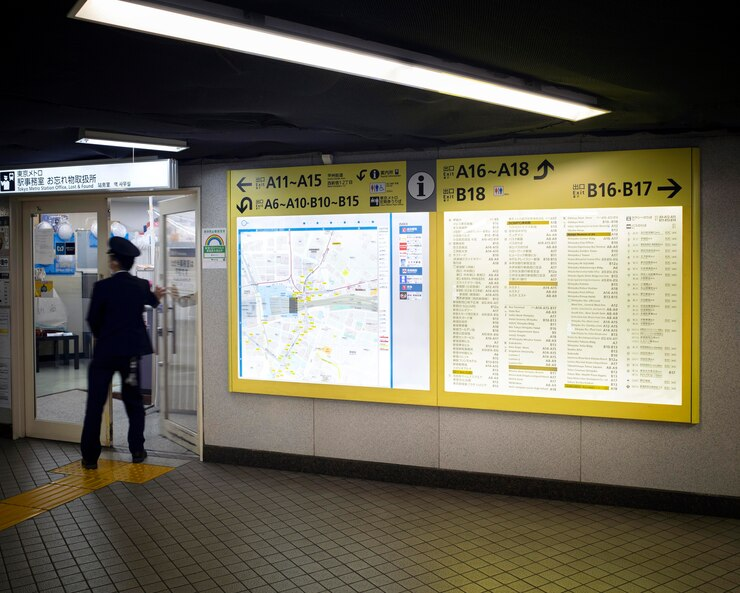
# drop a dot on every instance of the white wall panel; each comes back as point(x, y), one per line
point(401, 434)
point(532, 445)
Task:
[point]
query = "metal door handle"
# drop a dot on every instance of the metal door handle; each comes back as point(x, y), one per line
point(173, 330)
point(158, 330)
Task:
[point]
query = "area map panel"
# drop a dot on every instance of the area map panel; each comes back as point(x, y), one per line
point(316, 297)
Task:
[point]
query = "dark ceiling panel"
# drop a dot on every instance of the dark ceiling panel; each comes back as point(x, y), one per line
point(657, 67)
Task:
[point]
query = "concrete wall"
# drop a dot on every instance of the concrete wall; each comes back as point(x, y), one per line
point(699, 458)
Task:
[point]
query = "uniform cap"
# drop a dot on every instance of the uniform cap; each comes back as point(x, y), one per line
point(122, 247)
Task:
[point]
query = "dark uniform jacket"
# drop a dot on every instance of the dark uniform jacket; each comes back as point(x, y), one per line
point(116, 316)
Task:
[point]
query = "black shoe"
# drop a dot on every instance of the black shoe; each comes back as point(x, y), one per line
point(139, 456)
point(89, 464)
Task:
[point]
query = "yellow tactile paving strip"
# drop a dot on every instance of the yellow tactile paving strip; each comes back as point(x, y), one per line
point(76, 469)
point(11, 515)
point(47, 497)
point(76, 483)
point(93, 481)
point(139, 473)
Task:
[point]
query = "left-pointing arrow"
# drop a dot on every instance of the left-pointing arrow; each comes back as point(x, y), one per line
point(242, 184)
point(674, 188)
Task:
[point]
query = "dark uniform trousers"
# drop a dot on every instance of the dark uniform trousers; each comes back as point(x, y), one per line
point(121, 338)
point(100, 375)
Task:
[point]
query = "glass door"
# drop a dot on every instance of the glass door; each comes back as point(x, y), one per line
point(179, 363)
point(62, 259)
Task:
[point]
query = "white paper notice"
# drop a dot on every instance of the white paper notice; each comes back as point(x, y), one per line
point(213, 244)
point(43, 246)
point(4, 358)
point(4, 383)
point(4, 289)
point(579, 304)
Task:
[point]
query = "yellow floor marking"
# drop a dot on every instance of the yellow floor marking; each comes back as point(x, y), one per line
point(11, 515)
point(104, 465)
point(47, 497)
point(91, 480)
point(139, 473)
point(76, 483)
point(121, 471)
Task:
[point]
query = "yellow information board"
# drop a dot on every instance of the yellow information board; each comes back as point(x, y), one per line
point(569, 284)
point(560, 283)
point(325, 189)
point(330, 284)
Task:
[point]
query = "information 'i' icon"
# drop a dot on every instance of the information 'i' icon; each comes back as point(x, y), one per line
point(421, 185)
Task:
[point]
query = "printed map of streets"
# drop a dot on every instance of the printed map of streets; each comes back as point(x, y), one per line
point(311, 307)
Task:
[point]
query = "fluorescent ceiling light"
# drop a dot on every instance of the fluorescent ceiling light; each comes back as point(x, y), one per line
point(142, 142)
point(216, 32)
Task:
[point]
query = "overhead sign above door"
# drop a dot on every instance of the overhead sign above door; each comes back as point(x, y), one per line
point(160, 174)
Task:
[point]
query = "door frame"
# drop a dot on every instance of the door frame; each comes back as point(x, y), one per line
point(19, 340)
point(48, 428)
point(170, 428)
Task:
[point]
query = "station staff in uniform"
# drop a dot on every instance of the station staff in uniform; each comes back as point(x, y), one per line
point(116, 321)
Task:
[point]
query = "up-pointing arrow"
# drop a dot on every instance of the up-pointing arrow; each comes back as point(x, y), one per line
point(544, 166)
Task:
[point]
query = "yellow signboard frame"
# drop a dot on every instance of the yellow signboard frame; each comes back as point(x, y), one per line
point(293, 191)
point(581, 180)
point(646, 178)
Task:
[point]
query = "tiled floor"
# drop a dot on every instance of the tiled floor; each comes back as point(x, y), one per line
point(206, 527)
point(62, 391)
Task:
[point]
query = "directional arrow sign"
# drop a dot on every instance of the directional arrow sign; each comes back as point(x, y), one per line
point(361, 175)
point(674, 188)
point(246, 204)
point(544, 166)
point(242, 184)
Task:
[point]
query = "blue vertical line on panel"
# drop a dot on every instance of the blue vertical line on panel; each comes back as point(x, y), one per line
point(392, 274)
point(239, 288)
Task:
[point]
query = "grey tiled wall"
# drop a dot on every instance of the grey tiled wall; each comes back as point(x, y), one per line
point(700, 458)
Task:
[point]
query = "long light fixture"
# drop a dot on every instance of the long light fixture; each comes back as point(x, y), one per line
point(129, 141)
point(209, 30)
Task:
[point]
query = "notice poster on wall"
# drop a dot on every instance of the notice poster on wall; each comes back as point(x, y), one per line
point(4, 382)
point(568, 286)
point(4, 358)
point(4, 236)
point(213, 244)
point(330, 289)
point(4, 289)
point(43, 246)
point(4, 312)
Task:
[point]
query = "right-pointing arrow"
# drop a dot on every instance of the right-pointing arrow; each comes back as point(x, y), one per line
point(674, 188)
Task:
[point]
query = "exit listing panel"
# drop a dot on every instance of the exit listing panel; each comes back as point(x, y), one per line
point(581, 304)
